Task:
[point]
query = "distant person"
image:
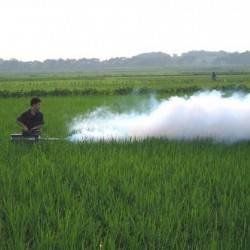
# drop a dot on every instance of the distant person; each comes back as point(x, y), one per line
point(32, 120)
point(214, 76)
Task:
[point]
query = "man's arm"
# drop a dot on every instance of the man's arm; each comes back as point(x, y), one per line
point(37, 127)
point(22, 125)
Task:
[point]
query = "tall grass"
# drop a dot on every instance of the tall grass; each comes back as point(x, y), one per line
point(154, 194)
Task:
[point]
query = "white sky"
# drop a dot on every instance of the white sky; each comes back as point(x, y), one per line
point(42, 29)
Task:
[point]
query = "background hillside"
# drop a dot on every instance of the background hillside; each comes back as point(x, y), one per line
point(190, 61)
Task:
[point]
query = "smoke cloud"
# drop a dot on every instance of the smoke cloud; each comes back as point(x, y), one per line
point(203, 115)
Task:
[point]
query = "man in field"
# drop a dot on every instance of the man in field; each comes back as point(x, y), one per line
point(214, 76)
point(32, 120)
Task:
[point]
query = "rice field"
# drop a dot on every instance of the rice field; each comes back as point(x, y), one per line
point(149, 194)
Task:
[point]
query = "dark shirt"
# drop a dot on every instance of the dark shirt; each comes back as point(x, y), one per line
point(29, 120)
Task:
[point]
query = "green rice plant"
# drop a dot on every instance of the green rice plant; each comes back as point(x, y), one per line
point(141, 194)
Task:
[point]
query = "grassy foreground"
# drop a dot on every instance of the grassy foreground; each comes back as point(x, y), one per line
point(155, 194)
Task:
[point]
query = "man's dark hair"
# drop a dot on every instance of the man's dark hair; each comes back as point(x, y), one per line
point(35, 100)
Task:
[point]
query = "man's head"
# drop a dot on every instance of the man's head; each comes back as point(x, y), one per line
point(35, 103)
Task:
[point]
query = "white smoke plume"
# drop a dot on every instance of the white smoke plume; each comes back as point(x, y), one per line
point(203, 115)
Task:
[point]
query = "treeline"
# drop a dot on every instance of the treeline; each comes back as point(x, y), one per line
point(197, 59)
point(120, 91)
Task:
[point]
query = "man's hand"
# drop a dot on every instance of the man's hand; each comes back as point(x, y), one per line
point(25, 128)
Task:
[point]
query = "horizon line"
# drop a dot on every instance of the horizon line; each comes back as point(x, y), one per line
point(113, 57)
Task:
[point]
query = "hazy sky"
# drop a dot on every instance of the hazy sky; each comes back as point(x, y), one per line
point(42, 29)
